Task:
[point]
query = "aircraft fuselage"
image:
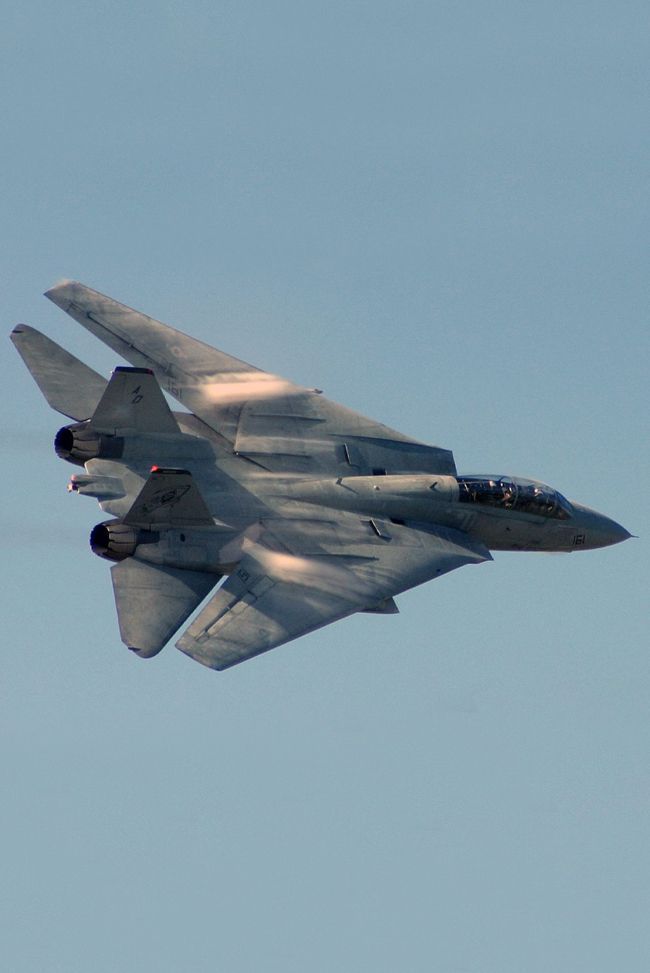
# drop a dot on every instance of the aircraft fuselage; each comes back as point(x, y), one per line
point(504, 513)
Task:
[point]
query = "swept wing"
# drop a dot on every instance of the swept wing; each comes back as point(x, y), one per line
point(282, 426)
point(293, 567)
point(301, 575)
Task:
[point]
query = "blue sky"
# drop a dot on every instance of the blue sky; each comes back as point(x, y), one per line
point(438, 213)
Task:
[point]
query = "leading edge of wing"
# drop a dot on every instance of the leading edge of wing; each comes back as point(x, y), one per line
point(282, 426)
point(193, 372)
point(279, 593)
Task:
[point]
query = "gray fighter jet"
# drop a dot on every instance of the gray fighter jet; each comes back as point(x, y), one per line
point(311, 511)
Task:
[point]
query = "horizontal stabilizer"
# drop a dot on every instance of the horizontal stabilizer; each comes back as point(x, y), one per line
point(69, 386)
point(169, 498)
point(153, 601)
point(133, 401)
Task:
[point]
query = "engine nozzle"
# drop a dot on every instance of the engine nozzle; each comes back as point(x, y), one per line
point(79, 443)
point(113, 540)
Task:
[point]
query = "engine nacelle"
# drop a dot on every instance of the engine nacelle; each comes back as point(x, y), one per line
point(79, 443)
point(114, 540)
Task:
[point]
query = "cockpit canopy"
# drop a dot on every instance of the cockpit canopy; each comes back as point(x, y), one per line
point(514, 493)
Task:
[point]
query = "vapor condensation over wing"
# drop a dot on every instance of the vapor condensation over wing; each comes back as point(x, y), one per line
point(244, 386)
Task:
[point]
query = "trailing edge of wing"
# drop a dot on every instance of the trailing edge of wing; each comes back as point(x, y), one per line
point(69, 386)
point(275, 596)
point(152, 602)
point(255, 611)
point(203, 378)
point(282, 426)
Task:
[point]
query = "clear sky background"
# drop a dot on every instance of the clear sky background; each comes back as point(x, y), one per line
point(438, 213)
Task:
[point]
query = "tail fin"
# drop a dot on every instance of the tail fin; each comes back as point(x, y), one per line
point(133, 401)
point(169, 498)
point(69, 386)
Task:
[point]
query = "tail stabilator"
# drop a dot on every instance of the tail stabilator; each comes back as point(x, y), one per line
point(68, 385)
point(153, 599)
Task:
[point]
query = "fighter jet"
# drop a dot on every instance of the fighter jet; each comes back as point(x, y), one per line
point(309, 511)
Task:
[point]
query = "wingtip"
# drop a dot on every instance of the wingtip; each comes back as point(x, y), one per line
point(60, 292)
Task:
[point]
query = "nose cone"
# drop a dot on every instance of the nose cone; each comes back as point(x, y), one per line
point(596, 529)
point(610, 532)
